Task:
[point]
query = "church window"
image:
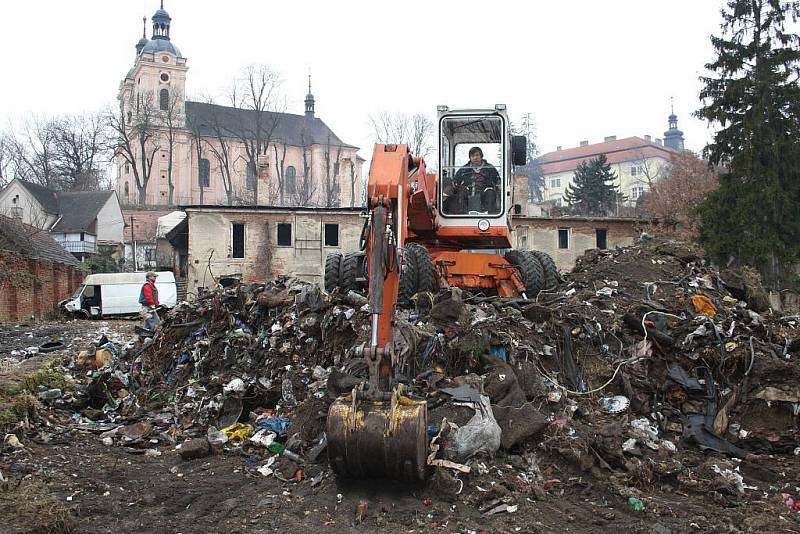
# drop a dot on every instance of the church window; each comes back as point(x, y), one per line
point(165, 59)
point(290, 184)
point(127, 189)
point(164, 77)
point(205, 173)
point(163, 99)
point(251, 176)
point(129, 116)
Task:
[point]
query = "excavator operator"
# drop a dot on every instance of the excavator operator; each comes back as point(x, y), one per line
point(477, 180)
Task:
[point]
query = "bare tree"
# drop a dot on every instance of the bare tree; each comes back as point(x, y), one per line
point(279, 147)
point(306, 189)
point(222, 148)
point(199, 146)
point(6, 154)
point(686, 182)
point(415, 130)
point(332, 168)
point(33, 152)
point(81, 150)
point(136, 140)
point(533, 168)
point(648, 169)
point(170, 118)
point(257, 91)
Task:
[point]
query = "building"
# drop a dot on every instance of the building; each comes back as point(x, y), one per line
point(204, 153)
point(83, 222)
point(637, 162)
point(37, 273)
point(256, 243)
point(565, 239)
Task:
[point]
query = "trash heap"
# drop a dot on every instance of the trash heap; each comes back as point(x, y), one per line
point(643, 359)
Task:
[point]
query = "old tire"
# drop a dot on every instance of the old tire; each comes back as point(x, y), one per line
point(530, 269)
point(348, 275)
point(333, 267)
point(549, 268)
point(418, 274)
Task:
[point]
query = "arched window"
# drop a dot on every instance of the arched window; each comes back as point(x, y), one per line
point(204, 178)
point(290, 183)
point(251, 176)
point(163, 99)
point(127, 189)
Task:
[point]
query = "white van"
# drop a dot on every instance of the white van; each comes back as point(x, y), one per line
point(107, 294)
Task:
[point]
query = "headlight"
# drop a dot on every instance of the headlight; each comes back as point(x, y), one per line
point(483, 225)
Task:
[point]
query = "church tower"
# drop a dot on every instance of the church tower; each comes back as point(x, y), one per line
point(309, 101)
point(157, 80)
point(673, 138)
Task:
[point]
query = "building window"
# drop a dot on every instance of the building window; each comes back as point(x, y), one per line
point(331, 235)
point(563, 238)
point(205, 173)
point(164, 76)
point(163, 99)
point(237, 240)
point(127, 189)
point(83, 236)
point(284, 234)
point(601, 238)
point(556, 200)
point(555, 182)
point(522, 242)
point(636, 191)
point(637, 170)
point(290, 182)
point(251, 176)
point(127, 168)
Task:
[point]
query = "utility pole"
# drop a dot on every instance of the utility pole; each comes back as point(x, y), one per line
point(133, 242)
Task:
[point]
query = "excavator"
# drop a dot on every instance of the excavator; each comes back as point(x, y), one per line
point(425, 231)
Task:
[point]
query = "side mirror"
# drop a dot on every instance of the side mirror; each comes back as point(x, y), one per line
point(519, 150)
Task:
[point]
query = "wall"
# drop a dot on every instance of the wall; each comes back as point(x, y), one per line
point(110, 224)
point(33, 287)
point(210, 243)
point(531, 233)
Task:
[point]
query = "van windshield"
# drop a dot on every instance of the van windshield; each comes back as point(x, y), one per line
point(78, 293)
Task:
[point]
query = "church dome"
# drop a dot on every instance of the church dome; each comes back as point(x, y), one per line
point(161, 45)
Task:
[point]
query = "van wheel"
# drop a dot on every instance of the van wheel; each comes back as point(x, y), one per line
point(82, 314)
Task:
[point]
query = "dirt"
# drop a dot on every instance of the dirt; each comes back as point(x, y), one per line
point(570, 476)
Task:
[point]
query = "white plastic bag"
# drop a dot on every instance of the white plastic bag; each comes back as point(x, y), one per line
point(480, 434)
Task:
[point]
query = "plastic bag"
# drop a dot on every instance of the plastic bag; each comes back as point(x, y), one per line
point(480, 434)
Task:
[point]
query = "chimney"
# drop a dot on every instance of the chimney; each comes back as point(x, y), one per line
point(608, 138)
point(262, 175)
point(558, 149)
point(647, 138)
point(659, 142)
point(584, 143)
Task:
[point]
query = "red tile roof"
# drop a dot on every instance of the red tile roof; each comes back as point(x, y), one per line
point(617, 151)
point(145, 223)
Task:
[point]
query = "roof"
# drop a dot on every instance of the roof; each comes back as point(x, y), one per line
point(126, 278)
point(32, 242)
point(168, 222)
point(617, 151)
point(78, 210)
point(161, 45)
point(236, 122)
point(44, 196)
point(145, 224)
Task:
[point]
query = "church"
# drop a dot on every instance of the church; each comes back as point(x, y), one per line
point(175, 152)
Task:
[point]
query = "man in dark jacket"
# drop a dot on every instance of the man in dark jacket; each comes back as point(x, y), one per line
point(482, 178)
point(148, 298)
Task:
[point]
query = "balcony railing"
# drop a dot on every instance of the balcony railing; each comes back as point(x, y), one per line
point(80, 247)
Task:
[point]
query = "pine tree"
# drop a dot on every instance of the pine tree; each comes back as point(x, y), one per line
point(752, 96)
point(592, 191)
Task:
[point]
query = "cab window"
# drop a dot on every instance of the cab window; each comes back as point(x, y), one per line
point(471, 166)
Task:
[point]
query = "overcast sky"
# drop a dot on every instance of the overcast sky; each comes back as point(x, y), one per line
point(584, 69)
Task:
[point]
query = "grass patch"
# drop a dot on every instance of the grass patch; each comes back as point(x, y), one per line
point(29, 507)
point(47, 377)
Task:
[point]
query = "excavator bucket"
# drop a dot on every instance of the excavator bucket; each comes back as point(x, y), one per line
point(378, 439)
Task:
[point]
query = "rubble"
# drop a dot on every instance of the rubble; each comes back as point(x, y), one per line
point(647, 369)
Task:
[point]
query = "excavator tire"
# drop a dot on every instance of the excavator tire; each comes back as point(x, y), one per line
point(550, 269)
point(333, 267)
point(530, 268)
point(348, 275)
point(418, 275)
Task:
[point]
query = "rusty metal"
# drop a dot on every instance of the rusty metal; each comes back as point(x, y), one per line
point(378, 438)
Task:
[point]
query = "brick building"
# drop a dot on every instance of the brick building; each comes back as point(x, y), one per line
point(36, 273)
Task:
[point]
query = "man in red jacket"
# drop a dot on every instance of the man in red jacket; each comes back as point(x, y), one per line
point(148, 298)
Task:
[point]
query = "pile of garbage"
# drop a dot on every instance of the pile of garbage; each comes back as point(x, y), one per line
point(644, 358)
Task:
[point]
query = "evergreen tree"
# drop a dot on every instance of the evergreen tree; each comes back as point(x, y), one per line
point(753, 98)
point(592, 191)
